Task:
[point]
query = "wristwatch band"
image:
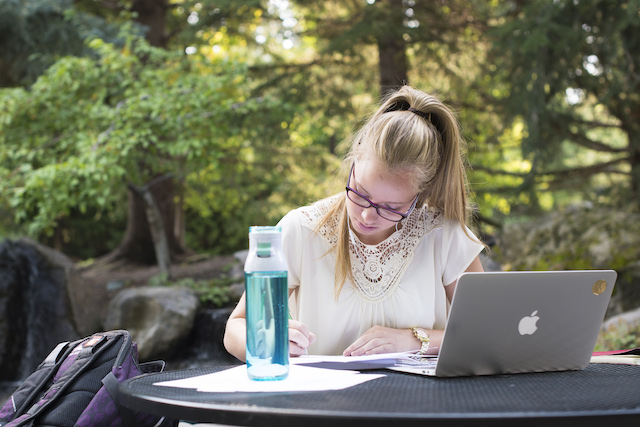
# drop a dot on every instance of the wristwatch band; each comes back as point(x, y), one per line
point(423, 337)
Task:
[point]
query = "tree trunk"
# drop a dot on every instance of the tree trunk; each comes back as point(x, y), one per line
point(152, 14)
point(634, 160)
point(138, 244)
point(157, 228)
point(393, 64)
point(180, 223)
point(629, 116)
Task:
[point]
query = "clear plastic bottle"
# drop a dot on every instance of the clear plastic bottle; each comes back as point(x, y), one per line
point(267, 312)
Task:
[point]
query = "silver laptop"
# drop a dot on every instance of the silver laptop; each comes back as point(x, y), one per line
point(525, 321)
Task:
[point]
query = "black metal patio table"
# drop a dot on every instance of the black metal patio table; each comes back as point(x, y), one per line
point(598, 394)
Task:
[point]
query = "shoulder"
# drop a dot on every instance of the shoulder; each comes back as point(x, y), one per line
point(311, 218)
point(316, 218)
point(315, 212)
point(431, 219)
point(425, 220)
point(433, 223)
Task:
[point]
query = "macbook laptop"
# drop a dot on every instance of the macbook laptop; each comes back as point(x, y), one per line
point(524, 321)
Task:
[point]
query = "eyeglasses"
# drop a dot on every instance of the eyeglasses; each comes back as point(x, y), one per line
point(364, 202)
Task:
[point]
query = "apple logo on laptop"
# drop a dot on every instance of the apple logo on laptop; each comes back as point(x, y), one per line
point(527, 325)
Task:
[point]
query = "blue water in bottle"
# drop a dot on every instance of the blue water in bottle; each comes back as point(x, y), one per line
point(267, 311)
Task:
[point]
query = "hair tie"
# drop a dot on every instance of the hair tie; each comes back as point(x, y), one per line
point(420, 113)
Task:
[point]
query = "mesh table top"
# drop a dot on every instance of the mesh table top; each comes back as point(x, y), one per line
point(589, 396)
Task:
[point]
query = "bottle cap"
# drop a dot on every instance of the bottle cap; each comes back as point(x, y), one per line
point(261, 229)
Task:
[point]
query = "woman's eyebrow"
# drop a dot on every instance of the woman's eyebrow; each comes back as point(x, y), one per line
point(388, 203)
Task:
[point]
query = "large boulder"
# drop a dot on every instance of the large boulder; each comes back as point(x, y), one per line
point(158, 318)
point(36, 310)
point(629, 320)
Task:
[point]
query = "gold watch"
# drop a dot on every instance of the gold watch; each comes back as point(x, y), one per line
point(423, 337)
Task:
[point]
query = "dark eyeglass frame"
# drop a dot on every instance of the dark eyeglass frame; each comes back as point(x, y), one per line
point(376, 206)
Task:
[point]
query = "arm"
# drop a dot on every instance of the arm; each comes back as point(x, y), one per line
point(474, 267)
point(380, 339)
point(235, 334)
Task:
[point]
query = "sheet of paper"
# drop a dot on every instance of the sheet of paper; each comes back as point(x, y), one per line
point(617, 359)
point(301, 378)
point(374, 361)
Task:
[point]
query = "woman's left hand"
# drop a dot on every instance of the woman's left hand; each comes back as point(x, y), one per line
point(380, 339)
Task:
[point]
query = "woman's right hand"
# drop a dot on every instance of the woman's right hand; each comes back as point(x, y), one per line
point(300, 338)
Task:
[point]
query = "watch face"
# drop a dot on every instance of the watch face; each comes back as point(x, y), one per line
point(422, 334)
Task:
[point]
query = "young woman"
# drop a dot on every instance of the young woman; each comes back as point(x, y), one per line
point(373, 268)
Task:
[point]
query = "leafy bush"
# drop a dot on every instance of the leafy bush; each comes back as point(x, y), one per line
point(618, 337)
point(211, 292)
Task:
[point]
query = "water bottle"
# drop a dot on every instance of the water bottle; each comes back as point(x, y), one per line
point(267, 312)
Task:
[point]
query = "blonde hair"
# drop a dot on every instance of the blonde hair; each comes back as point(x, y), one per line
point(410, 132)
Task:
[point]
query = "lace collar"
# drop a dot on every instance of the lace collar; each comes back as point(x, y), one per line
point(377, 269)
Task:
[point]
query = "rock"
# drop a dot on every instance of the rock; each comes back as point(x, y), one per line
point(158, 318)
point(86, 303)
point(35, 310)
point(241, 256)
point(630, 320)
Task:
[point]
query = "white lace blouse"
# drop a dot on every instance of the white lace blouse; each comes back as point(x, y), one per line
point(399, 283)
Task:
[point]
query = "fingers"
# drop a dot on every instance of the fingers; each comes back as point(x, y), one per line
point(300, 338)
point(369, 345)
point(367, 342)
point(380, 340)
point(376, 346)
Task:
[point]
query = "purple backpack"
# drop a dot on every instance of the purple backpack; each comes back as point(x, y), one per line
point(77, 385)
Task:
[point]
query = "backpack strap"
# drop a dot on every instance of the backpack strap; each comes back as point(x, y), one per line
point(68, 369)
point(111, 384)
point(52, 358)
point(39, 380)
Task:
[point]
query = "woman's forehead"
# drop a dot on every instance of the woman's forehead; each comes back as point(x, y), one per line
point(375, 177)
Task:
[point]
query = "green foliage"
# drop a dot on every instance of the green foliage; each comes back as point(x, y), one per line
point(568, 68)
point(618, 337)
point(85, 127)
point(576, 238)
point(35, 33)
point(212, 292)
point(88, 126)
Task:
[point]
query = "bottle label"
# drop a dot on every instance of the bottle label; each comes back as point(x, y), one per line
point(267, 325)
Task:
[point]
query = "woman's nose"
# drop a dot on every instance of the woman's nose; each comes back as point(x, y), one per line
point(369, 214)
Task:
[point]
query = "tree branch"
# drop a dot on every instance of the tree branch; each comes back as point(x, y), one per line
point(490, 171)
point(557, 177)
point(581, 139)
point(588, 170)
point(594, 123)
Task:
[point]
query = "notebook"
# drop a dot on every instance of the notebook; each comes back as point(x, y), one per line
point(524, 321)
